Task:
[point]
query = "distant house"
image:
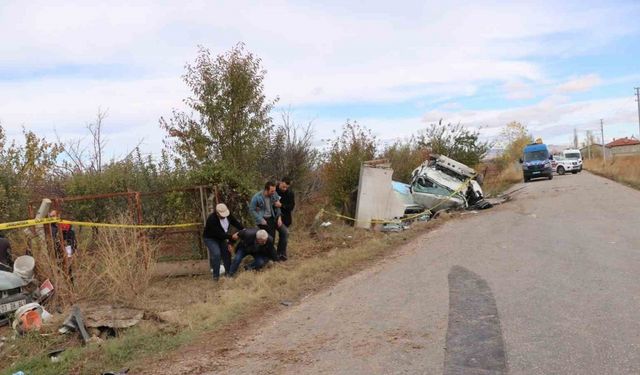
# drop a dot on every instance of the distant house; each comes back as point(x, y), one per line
point(596, 151)
point(624, 146)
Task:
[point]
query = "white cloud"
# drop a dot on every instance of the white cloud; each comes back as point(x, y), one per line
point(315, 53)
point(579, 84)
point(552, 118)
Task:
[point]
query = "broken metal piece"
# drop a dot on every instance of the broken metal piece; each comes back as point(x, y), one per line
point(79, 322)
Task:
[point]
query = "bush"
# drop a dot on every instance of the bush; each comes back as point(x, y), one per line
point(404, 158)
point(454, 141)
point(341, 171)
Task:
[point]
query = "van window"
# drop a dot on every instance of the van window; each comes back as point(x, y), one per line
point(536, 155)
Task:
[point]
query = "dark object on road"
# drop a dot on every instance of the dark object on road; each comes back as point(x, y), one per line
point(474, 337)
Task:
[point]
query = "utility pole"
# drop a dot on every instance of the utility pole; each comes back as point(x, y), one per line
point(638, 100)
point(589, 136)
point(604, 155)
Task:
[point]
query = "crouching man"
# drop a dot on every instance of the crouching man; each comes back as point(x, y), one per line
point(257, 243)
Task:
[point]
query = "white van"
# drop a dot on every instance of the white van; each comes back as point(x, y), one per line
point(573, 155)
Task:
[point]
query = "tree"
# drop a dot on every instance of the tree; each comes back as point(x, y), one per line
point(26, 172)
point(514, 137)
point(341, 171)
point(404, 158)
point(291, 153)
point(232, 121)
point(454, 141)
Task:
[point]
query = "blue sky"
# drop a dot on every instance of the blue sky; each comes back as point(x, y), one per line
point(394, 67)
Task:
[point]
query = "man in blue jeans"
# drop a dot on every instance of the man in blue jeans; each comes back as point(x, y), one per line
point(257, 243)
point(216, 237)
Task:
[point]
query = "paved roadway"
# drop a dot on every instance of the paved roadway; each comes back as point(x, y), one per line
point(560, 264)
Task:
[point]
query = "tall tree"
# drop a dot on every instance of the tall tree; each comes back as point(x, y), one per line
point(454, 141)
point(232, 114)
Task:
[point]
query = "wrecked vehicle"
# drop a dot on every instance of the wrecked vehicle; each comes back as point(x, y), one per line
point(12, 295)
point(18, 288)
point(441, 183)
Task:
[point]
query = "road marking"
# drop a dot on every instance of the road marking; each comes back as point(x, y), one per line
point(474, 337)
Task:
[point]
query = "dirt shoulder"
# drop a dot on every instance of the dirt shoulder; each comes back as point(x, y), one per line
point(212, 349)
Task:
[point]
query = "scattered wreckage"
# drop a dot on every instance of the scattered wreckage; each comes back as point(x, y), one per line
point(439, 183)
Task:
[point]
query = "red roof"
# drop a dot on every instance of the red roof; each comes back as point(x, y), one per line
point(623, 142)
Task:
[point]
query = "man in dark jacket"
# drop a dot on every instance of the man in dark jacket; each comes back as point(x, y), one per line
point(287, 200)
point(257, 243)
point(6, 260)
point(217, 236)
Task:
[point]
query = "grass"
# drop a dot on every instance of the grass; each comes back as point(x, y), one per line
point(204, 307)
point(623, 169)
point(499, 181)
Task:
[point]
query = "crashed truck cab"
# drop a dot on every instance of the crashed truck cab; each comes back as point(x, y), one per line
point(443, 183)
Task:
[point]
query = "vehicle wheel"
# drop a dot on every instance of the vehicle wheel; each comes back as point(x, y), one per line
point(560, 170)
point(574, 172)
point(526, 180)
point(551, 176)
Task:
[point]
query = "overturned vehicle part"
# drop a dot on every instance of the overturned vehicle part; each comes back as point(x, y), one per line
point(443, 183)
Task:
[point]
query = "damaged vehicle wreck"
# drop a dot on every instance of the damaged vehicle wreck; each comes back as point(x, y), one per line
point(443, 183)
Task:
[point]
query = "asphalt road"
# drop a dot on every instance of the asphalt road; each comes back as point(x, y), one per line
point(548, 283)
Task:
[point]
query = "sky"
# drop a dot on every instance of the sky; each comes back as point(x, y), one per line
point(395, 67)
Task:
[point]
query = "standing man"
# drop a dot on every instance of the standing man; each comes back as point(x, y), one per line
point(216, 237)
point(265, 208)
point(287, 199)
point(257, 243)
point(6, 260)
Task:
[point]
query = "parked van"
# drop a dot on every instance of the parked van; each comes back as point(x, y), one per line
point(536, 161)
point(574, 155)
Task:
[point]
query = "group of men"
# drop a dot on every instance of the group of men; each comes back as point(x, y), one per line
point(271, 210)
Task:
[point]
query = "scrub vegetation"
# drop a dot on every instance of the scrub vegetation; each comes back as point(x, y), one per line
point(624, 169)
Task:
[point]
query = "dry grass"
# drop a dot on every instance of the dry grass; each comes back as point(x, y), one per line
point(111, 265)
point(205, 307)
point(499, 181)
point(624, 169)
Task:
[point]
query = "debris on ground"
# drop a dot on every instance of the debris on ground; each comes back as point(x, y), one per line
point(121, 372)
point(75, 322)
point(30, 317)
point(286, 303)
point(325, 224)
point(112, 317)
point(54, 355)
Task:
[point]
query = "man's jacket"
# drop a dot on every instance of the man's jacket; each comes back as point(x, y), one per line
point(257, 207)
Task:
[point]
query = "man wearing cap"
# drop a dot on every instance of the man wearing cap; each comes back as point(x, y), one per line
point(265, 209)
point(257, 243)
point(217, 236)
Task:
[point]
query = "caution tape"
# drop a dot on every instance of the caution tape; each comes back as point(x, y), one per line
point(53, 220)
point(28, 223)
point(406, 218)
point(134, 226)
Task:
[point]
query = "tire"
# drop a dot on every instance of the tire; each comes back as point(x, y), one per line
point(561, 170)
point(526, 180)
point(551, 176)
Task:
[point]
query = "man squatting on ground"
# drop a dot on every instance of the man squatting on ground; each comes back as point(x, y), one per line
point(257, 243)
point(265, 209)
point(217, 238)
